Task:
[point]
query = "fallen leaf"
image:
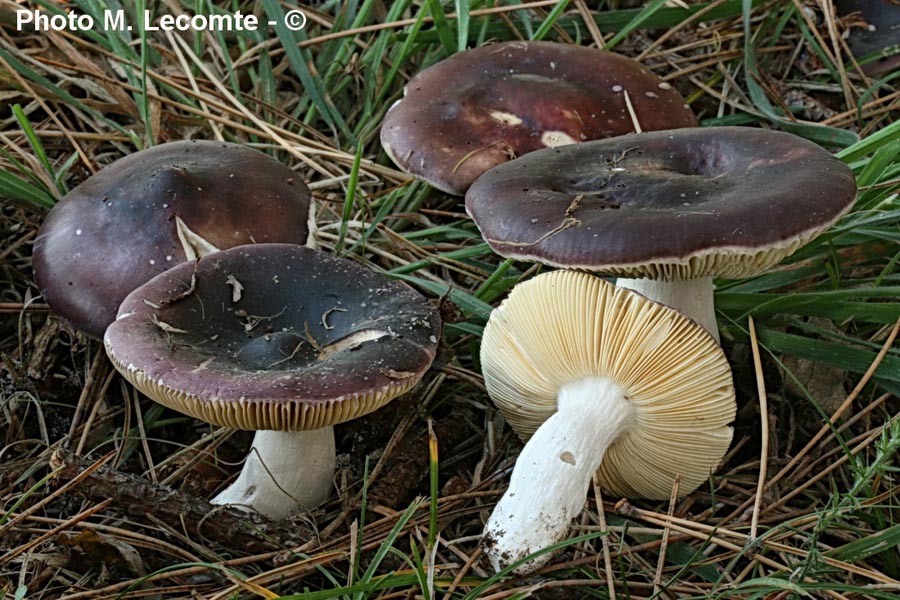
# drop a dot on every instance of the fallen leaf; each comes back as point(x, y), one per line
point(236, 288)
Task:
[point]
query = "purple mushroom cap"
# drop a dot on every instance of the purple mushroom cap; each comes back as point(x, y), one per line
point(482, 107)
point(724, 201)
point(273, 336)
point(119, 227)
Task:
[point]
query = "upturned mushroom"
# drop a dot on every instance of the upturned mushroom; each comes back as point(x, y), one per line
point(280, 339)
point(597, 376)
point(482, 107)
point(666, 211)
point(153, 209)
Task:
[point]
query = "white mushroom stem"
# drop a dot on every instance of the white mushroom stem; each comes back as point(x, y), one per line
point(285, 471)
point(691, 297)
point(549, 483)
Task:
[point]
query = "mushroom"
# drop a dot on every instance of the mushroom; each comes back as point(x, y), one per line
point(593, 375)
point(482, 107)
point(874, 27)
point(671, 209)
point(153, 209)
point(276, 338)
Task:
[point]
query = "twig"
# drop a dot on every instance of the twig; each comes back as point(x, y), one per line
point(123, 585)
point(73, 482)
point(764, 425)
point(145, 445)
point(824, 48)
point(860, 386)
point(664, 542)
point(711, 533)
point(827, 470)
point(462, 573)
point(631, 113)
point(52, 114)
point(134, 495)
point(132, 538)
point(597, 36)
point(187, 71)
point(61, 527)
point(98, 402)
point(247, 113)
point(17, 307)
point(604, 541)
point(93, 374)
point(675, 28)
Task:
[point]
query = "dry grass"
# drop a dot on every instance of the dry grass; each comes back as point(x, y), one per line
point(85, 462)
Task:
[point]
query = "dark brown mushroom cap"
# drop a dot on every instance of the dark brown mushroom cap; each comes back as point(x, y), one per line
point(273, 336)
point(118, 228)
point(725, 201)
point(880, 31)
point(482, 107)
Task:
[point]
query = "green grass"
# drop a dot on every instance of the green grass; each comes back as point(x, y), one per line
point(324, 99)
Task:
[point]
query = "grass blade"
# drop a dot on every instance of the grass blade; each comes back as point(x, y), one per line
point(37, 147)
point(312, 85)
point(638, 19)
point(462, 24)
point(442, 26)
point(19, 189)
point(821, 134)
point(830, 353)
point(550, 21)
point(349, 200)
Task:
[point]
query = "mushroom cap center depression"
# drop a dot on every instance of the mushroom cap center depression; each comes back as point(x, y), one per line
point(643, 183)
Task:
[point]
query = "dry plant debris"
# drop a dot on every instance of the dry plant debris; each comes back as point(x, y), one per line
point(101, 491)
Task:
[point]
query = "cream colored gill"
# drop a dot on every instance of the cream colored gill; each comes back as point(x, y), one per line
point(562, 326)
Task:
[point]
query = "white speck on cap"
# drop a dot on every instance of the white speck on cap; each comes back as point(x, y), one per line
point(505, 117)
point(552, 139)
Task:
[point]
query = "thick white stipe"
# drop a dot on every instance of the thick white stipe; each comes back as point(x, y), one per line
point(549, 483)
point(284, 471)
